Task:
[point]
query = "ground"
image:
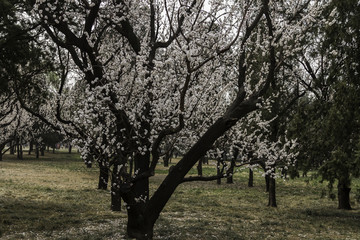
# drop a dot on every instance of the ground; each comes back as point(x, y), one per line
point(55, 197)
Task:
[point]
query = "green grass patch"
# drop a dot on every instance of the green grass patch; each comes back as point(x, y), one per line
point(55, 197)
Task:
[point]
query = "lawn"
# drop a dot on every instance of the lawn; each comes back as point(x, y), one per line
point(55, 197)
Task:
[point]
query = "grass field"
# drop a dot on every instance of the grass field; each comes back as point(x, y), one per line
point(56, 198)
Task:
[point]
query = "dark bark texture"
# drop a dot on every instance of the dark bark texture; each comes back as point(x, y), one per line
point(267, 183)
point(344, 196)
point(115, 189)
point(199, 167)
point(251, 178)
point(272, 193)
point(103, 176)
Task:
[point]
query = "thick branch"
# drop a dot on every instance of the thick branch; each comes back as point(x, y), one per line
point(203, 179)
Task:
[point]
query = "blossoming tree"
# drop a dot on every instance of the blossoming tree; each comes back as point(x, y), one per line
point(152, 69)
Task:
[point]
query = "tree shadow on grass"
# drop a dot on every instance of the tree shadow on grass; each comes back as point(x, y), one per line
point(18, 215)
point(342, 219)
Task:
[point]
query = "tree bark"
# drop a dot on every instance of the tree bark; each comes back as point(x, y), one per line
point(131, 165)
point(166, 160)
point(42, 150)
point(12, 148)
point(17, 148)
point(139, 225)
point(115, 188)
point(21, 151)
point(31, 147)
point(272, 193)
point(218, 171)
point(267, 183)
point(37, 150)
point(2, 146)
point(199, 167)
point(344, 195)
point(103, 176)
point(251, 178)
point(230, 172)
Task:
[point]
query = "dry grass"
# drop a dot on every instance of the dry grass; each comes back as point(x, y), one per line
point(56, 198)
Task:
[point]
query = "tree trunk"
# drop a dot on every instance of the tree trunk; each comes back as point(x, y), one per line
point(218, 171)
point(12, 148)
point(31, 147)
point(141, 187)
point(37, 150)
point(199, 167)
point(131, 165)
point(166, 160)
point(115, 188)
point(42, 150)
point(21, 151)
point(344, 195)
point(251, 178)
point(139, 225)
point(267, 183)
point(2, 146)
point(103, 176)
point(230, 172)
point(142, 221)
point(17, 148)
point(53, 150)
point(272, 193)
point(168, 155)
point(70, 148)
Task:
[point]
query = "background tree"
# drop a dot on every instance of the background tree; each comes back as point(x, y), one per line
point(331, 132)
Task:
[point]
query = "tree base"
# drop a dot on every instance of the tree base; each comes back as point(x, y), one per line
point(344, 198)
